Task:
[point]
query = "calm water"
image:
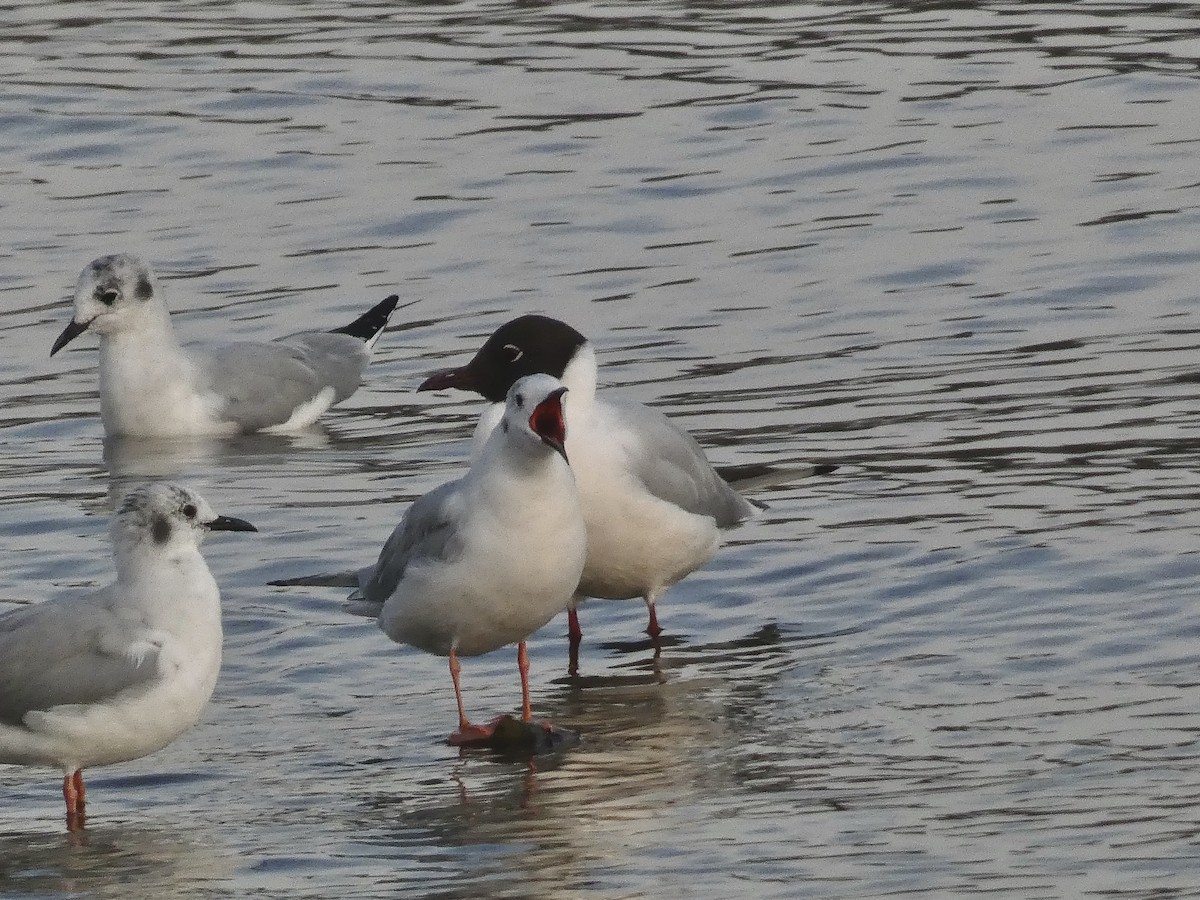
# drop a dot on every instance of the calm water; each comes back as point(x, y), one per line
point(950, 246)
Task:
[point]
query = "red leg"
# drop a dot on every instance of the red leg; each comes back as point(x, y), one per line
point(80, 795)
point(74, 796)
point(467, 732)
point(574, 636)
point(523, 668)
point(652, 629)
point(455, 668)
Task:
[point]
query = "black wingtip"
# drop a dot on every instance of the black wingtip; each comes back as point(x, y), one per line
point(372, 321)
point(825, 468)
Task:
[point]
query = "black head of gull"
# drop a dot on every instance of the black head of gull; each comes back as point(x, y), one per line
point(527, 345)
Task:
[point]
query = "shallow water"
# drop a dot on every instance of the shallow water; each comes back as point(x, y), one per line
point(950, 248)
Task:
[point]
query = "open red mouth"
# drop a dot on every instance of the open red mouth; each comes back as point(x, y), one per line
point(548, 422)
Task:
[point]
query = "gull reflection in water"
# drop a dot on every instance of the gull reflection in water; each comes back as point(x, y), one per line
point(653, 741)
point(128, 862)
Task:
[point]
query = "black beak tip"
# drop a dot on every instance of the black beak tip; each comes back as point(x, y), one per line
point(229, 523)
point(73, 330)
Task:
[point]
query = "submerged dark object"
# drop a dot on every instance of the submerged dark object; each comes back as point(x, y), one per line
point(509, 735)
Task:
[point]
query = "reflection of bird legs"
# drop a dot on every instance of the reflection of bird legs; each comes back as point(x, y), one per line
point(75, 794)
point(529, 786)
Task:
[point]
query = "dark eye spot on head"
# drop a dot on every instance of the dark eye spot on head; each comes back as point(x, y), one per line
point(520, 401)
point(189, 510)
point(107, 296)
point(145, 290)
point(160, 530)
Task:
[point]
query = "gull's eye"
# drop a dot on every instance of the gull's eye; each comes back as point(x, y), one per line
point(109, 297)
point(512, 352)
point(190, 510)
point(519, 399)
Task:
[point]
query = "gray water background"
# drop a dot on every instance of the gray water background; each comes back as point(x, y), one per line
point(951, 246)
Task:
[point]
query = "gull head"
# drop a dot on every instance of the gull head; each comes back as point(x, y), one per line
point(161, 515)
point(113, 294)
point(534, 409)
point(525, 346)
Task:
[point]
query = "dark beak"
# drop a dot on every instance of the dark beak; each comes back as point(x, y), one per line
point(549, 424)
point(229, 523)
point(462, 378)
point(73, 330)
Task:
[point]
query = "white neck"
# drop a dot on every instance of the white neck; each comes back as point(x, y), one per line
point(147, 382)
point(580, 377)
point(173, 585)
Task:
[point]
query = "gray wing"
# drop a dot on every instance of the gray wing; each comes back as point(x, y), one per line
point(429, 531)
point(66, 651)
point(672, 466)
point(263, 383)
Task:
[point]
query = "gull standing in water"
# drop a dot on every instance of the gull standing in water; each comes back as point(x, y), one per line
point(113, 675)
point(652, 503)
point(150, 386)
point(487, 560)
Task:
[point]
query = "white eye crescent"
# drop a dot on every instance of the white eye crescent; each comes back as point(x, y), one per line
point(513, 352)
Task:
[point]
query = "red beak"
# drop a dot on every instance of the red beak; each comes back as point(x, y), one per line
point(462, 378)
point(549, 423)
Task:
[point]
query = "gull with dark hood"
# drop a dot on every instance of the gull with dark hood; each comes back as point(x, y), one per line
point(652, 502)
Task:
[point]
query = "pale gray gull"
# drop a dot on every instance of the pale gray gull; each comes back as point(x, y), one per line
point(485, 561)
point(150, 386)
point(115, 674)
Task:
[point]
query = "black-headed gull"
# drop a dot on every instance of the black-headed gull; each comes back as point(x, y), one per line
point(485, 561)
point(115, 674)
point(150, 386)
point(652, 502)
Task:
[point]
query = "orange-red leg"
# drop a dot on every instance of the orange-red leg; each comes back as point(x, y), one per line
point(652, 629)
point(523, 668)
point(75, 795)
point(467, 732)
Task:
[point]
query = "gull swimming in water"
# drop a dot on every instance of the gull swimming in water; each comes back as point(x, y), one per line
point(485, 561)
point(150, 386)
point(116, 674)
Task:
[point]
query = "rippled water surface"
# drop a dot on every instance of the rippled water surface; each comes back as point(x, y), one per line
point(951, 247)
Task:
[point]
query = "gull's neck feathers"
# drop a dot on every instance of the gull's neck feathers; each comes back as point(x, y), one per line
point(580, 377)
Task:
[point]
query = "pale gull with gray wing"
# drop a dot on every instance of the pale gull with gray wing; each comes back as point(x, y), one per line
point(150, 386)
point(487, 560)
point(112, 675)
